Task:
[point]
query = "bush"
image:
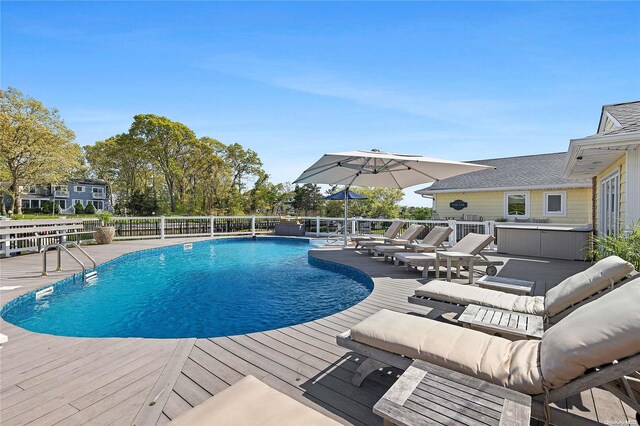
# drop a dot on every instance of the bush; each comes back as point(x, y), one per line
point(89, 209)
point(626, 245)
point(48, 207)
point(78, 207)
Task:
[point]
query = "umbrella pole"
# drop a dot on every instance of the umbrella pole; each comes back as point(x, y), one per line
point(346, 210)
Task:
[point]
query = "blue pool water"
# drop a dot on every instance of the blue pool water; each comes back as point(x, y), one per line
point(218, 288)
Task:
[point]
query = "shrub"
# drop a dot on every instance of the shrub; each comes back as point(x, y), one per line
point(626, 245)
point(89, 209)
point(48, 207)
point(104, 217)
point(78, 207)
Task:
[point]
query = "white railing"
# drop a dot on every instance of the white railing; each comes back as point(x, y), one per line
point(161, 227)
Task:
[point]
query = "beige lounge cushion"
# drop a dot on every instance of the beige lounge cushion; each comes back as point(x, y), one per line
point(251, 402)
point(393, 229)
point(467, 295)
point(389, 249)
point(415, 258)
point(580, 286)
point(370, 244)
point(472, 243)
point(490, 358)
point(597, 333)
point(436, 236)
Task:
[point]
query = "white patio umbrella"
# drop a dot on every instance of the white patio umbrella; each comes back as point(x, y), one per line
point(383, 169)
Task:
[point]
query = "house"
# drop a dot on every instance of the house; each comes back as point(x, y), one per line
point(66, 195)
point(526, 188)
point(611, 160)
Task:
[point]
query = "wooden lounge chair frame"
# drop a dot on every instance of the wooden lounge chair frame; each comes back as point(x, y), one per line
point(369, 245)
point(548, 321)
point(613, 377)
point(416, 247)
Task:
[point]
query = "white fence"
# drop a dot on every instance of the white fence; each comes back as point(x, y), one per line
point(210, 226)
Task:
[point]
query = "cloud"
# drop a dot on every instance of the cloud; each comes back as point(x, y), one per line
point(453, 109)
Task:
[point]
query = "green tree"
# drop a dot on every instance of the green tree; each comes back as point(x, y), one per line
point(164, 142)
point(380, 203)
point(89, 209)
point(307, 199)
point(78, 207)
point(35, 145)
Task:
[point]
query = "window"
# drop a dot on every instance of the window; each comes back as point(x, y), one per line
point(516, 204)
point(84, 203)
point(609, 204)
point(555, 203)
point(98, 192)
point(99, 205)
point(78, 188)
point(26, 204)
point(32, 190)
point(62, 204)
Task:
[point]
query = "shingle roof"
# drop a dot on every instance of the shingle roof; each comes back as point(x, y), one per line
point(529, 171)
point(627, 114)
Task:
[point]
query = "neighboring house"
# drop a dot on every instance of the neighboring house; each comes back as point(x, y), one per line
point(85, 191)
point(611, 159)
point(527, 188)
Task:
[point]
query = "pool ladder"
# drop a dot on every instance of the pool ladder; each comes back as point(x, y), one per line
point(62, 247)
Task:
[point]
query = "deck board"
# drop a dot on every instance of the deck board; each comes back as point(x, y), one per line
point(50, 379)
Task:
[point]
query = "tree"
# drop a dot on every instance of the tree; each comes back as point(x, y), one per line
point(307, 199)
point(243, 164)
point(380, 203)
point(78, 207)
point(35, 145)
point(164, 142)
point(89, 209)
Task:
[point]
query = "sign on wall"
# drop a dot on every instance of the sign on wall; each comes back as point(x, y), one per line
point(458, 204)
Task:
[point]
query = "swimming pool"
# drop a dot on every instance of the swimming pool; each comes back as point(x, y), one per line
point(217, 288)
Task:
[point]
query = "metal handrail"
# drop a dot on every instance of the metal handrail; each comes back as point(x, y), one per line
point(61, 246)
point(93, 261)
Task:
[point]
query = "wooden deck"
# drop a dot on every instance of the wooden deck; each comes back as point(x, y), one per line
point(48, 379)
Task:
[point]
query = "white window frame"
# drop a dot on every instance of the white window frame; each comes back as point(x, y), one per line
point(527, 205)
point(83, 202)
point(608, 212)
point(101, 188)
point(563, 203)
point(32, 190)
point(75, 188)
point(97, 201)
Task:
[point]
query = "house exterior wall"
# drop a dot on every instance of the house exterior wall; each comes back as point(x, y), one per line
point(490, 205)
point(66, 198)
point(620, 167)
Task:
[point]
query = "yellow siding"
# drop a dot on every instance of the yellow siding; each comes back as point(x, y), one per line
point(620, 166)
point(490, 205)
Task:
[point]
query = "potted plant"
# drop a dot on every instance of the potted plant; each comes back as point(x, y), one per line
point(104, 234)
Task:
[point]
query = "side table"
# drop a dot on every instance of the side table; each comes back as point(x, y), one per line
point(428, 394)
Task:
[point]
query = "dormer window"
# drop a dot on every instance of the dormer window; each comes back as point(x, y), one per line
point(78, 188)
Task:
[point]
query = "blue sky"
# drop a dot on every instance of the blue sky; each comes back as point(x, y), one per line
point(292, 81)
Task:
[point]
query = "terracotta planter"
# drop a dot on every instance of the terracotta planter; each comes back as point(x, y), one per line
point(104, 234)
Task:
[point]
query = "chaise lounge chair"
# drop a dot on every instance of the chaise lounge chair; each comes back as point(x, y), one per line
point(407, 237)
point(597, 345)
point(470, 244)
point(251, 402)
point(559, 301)
point(390, 233)
point(434, 239)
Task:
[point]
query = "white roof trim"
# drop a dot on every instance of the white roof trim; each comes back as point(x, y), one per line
point(603, 119)
point(426, 191)
point(576, 146)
